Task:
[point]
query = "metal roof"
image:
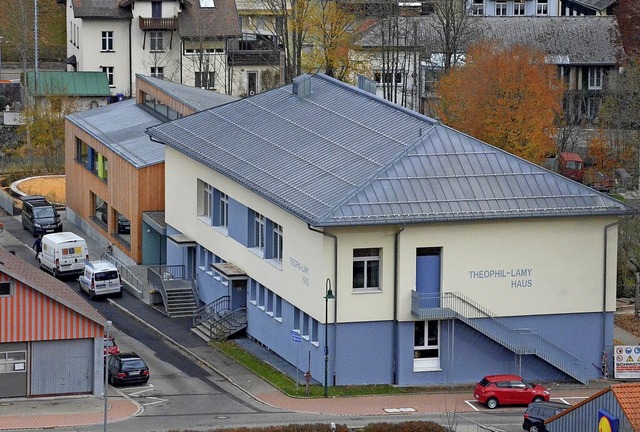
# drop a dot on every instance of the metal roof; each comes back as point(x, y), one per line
point(597, 5)
point(193, 97)
point(579, 40)
point(342, 156)
point(81, 84)
point(121, 127)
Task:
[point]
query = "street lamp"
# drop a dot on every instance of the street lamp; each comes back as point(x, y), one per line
point(106, 375)
point(328, 296)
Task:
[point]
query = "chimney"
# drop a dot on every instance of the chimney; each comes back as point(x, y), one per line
point(302, 86)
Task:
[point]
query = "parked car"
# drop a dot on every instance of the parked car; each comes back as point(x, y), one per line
point(124, 225)
point(39, 216)
point(110, 346)
point(538, 412)
point(100, 278)
point(494, 390)
point(127, 368)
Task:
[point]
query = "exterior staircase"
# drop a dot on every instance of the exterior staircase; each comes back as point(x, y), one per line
point(178, 293)
point(216, 321)
point(457, 306)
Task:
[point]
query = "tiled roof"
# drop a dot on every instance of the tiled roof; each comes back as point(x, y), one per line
point(628, 396)
point(104, 9)
point(198, 22)
point(48, 285)
point(196, 98)
point(567, 39)
point(342, 156)
point(80, 84)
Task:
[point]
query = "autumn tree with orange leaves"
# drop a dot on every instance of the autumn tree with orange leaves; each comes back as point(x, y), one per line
point(507, 97)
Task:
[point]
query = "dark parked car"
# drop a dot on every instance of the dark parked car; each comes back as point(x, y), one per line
point(127, 368)
point(538, 412)
point(494, 390)
point(39, 216)
point(124, 225)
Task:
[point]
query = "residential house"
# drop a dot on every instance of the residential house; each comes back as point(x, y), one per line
point(115, 172)
point(539, 8)
point(89, 89)
point(45, 323)
point(181, 40)
point(586, 51)
point(374, 232)
point(616, 408)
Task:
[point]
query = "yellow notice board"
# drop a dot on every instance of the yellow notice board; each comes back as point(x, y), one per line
point(626, 361)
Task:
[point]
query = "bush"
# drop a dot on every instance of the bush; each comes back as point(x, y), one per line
point(412, 426)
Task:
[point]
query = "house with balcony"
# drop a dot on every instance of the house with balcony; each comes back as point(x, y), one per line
point(586, 50)
point(541, 7)
point(375, 232)
point(115, 173)
point(183, 41)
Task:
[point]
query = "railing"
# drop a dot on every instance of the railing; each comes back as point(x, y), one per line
point(228, 324)
point(168, 272)
point(195, 289)
point(476, 316)
point(212, 309)
point(170, 24)
point(125, 273)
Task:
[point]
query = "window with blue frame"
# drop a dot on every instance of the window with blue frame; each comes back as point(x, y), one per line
point(296, 318)
point(278, 311)
point(253, 291)
point(221, 209)
point(314, 331)
point(92, 160)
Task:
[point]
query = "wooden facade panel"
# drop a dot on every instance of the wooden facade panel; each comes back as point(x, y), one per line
point(28, 315)
point(128, 190)
point(146, 88)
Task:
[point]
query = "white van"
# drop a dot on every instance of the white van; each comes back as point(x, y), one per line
point(63, 253)
point(100, 278)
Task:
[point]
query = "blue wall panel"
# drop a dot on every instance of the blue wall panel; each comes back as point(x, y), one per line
point(238, 228)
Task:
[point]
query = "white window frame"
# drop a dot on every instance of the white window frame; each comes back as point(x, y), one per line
point(501, 8)
point(542, 7)
point(157, 72)
point(595, 75)
point(519, 8)
point(107, 41)
point(427, 347)
point(109, 70)
point(277, 242)
point(210, 81)
point(259, 226)
point(223, 210)
point(205, 201)
point(478, 7)
point(366, 257)
point(156, 41)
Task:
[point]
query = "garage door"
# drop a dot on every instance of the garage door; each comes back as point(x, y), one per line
point(60, 367)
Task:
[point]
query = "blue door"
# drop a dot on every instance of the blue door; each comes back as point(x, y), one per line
point(428, 262)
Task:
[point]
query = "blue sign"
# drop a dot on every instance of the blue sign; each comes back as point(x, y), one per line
point(296, 338)
point(607, 422)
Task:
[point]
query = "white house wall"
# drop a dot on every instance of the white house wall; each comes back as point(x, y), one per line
point(307, 255)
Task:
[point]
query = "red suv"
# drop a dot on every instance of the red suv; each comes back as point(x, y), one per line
point(494, 390)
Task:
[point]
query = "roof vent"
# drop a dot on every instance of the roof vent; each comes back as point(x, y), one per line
point(302, 86)
point(367, 84)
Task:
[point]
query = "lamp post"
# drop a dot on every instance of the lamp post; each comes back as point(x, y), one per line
point(106, 376)
point(1, 40)
point(328, 296)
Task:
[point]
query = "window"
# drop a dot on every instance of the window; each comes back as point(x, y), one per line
point(269, 302)
point(296, 318)
point(205, 80)
point(157, 72)
point(205, 201)
point(107, 41)
point(595, 78)
point(223, 210)
point(258, 231)
point(542, 6)
point(82, 152)
point(261, 296)
point(518, 8)
point(156, 9)
point(314, 331)
point(13, 361)
point(278, 311)
point(501, 8)
point(207, 3)
point(366, 268)
point(426, 346)
point(387, 77)
point(100, 210)
point(478, 7)
point(277, 242)
point(5, 289)
point(109, 71)
point(155, 41)
point(102, 167)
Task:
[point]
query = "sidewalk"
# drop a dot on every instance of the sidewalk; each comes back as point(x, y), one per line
point(23, 413)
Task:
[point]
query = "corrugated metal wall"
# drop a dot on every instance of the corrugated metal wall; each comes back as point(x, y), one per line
point(59, 367)
point(29, 315)
point(585, 417)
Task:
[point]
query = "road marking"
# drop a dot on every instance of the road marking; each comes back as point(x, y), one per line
point(157, 401)
point(399, 410)
point(472, 403)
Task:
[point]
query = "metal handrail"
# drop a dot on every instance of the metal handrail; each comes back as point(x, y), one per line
point(497, 328)
point(222, 325)
point(125, 273)
point(167, 272)
point(212, 309)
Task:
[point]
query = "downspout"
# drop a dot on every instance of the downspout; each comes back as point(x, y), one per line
point(130, 64)
point(604, 285)
point(335, 293)
point(396, 264)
